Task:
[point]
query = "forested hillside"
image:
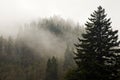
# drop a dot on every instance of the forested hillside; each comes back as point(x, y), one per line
point(59, 40)
point(27, 56)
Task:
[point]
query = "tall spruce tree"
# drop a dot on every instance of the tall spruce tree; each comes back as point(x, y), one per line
point(97, 53)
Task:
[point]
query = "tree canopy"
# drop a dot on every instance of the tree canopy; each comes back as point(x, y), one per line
point(97, 53)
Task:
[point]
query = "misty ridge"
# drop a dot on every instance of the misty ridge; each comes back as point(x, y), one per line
point(26, 56)
point(50, 36)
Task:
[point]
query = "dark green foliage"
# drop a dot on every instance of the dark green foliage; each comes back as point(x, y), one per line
point(52, 69)
point(97, 54)
point(72, 74)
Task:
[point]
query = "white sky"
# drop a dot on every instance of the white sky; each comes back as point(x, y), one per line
point(16, 12)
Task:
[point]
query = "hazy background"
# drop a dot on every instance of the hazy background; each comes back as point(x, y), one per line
point(42, 29)
point(14, 13)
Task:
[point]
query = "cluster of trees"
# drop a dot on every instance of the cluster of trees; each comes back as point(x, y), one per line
point(53, 31)
point(23, 58)
point(18, 61)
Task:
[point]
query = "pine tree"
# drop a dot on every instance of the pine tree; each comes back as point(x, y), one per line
point(48, 70)
point(69, 61)
point(52, 69)
point(97, 53)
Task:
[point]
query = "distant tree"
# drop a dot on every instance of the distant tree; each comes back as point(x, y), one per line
point(10, 49)
point(68, 59)
point(2, 45)
point(48, 70)
point(97, 54)
point(10, 46)
point(52, 69)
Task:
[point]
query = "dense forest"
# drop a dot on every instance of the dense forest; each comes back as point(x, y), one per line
point(27, 56)
point(58, 49)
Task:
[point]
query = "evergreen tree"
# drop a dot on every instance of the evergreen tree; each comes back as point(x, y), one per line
point(52, 69)
point(97, 53)
point(48, 70)
point(69, 61)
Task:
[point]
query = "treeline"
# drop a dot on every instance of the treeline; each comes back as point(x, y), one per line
point(18, 61)
point(28, 56)
point(53, 37)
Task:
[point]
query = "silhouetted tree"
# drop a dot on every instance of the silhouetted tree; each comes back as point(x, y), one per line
point(52, 69)
point(97, 54)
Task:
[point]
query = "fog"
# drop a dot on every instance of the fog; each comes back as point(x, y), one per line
point(38, 39)
point(14, 13)
point(21, 19)
point(50, 36)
